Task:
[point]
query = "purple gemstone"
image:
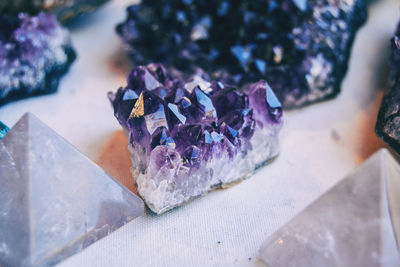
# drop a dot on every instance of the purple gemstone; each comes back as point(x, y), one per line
point(187, 135)
point(161, 136)
point(230, 133)
point(34, 53)
point(300, 47)
point(206, 105)
point(147, 114)
point(175, 116)
point(192, 157)
point(141, 78)
point(197, 136)
point(266, 105)
point(229, 99)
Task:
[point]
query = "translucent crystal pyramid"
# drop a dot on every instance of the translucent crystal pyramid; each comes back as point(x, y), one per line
point(54, 201)
point(356, 223)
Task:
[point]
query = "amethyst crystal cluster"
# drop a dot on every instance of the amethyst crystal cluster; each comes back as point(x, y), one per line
point(187, 138)
point(34, 53)
point(388, 122)
point(300, 46)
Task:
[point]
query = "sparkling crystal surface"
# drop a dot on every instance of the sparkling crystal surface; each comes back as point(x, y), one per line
point(34, 53)
point(356, 223)
point(3, 130)
point(189, 137)
point(388, 121)
point(300, 47)
point(54, 201)
point(64, 10)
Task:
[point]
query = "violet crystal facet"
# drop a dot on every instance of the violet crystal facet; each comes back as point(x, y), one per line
point(300, 47)
point(388, 122)
point(187, 138)
point(34, 53)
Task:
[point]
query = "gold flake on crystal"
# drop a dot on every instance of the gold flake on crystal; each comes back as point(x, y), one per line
point(187, 99)
point(138, 109)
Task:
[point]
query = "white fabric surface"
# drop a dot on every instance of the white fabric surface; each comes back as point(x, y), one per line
point(320, 144)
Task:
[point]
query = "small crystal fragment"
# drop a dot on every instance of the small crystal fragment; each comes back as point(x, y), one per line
point(301, 47)
point(3, 130)
point(54, 201)
point(356, 223)
point(201, 134)
point(388, 121)
point(34, 53)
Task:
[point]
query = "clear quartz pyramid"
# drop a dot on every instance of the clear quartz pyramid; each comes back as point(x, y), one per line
point(54, 201)
point(356, 223)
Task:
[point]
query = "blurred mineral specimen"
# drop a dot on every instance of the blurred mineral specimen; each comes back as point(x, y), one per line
point(187, 138)
point(300, 47)
point(63, 9)
point(54, 201)
point(34, 53)
point(388, 122)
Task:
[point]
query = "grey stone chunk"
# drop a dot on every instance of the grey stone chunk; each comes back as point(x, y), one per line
point(356, 223)
point(54, 201)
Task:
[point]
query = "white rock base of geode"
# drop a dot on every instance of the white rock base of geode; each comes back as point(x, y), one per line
point(174, 185)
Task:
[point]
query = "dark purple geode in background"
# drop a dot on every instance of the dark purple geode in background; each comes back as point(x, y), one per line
point(34, 53)
point(300, 47)
point(388, 121)
point(188, 137)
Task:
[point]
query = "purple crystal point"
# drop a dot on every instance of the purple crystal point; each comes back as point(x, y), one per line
point(228, 99)
point(186, 135)
point(34, 53)
point(206, 105)
point(161, 136)
point(388, 122)
point(301, 47)
point(198, 136)
point(192, 156)
point(267, 107)
point(176, 117)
